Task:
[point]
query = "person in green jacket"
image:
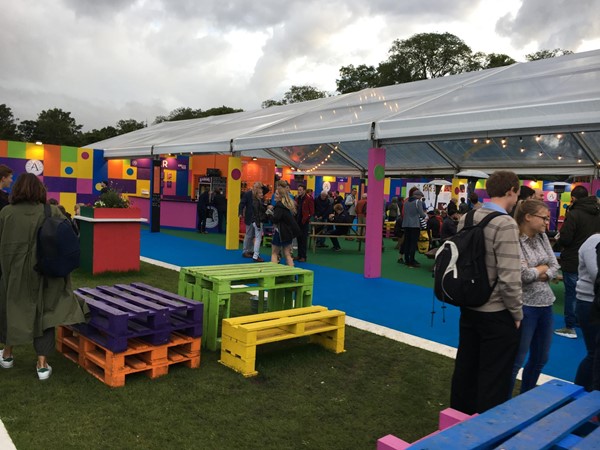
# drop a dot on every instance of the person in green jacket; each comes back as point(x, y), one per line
point(31, 305)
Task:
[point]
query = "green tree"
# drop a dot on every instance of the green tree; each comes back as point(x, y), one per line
point(296, 94)
point(545, 54)
point(353, 79)
point(27, 130)
point(497, 60)
point(53, 126)
point(392, 72)
point(96, 135)
point(431, 55)
point(129, 125)
point(185, 113)
point(271, 102)
point(8, 124)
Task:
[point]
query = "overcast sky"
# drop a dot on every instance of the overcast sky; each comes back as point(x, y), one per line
point(106, 60)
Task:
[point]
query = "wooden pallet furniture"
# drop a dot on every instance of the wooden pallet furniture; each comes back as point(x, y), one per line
point(556, 414)
point(284, 287)
point(352, 233)
point(241, 335)
point(112, 368)
point(122, 312)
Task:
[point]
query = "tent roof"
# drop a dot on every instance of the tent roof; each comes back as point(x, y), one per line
point(426, 126)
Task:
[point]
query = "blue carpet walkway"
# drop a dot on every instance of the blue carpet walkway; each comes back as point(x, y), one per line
point(400, 306)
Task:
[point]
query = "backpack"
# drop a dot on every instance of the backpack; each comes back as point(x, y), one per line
point(423, 242)
point(460, 273)
point(57, 246)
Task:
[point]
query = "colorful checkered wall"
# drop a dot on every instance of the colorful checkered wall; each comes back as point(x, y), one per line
point(73, 175)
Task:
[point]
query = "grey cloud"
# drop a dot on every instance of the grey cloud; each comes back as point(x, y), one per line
point(552, 24)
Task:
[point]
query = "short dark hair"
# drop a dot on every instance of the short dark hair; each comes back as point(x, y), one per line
point(579, 192)
point(526, 192)
point(474, 198)
point(5, 171)
point(500, 182)
point(301, 186)
point(28, 188)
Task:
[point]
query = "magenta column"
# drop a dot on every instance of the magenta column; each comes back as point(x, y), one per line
point(374, 235)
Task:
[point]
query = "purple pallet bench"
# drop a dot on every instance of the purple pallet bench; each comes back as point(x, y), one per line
point(122, 312)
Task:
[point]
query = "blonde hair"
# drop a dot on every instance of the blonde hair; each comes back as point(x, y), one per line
point(530, 206)
point(286, 200)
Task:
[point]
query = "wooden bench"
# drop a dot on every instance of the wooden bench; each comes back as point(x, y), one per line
point(352, 233)
point(557, 414)
point(241, 335)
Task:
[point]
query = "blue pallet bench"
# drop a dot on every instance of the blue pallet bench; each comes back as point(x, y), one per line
point(122, 312)
point(555, 415)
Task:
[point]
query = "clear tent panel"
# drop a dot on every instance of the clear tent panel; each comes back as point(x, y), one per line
point(516, 151)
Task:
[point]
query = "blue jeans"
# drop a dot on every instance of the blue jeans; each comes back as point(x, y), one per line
point(570, 280)
point(588, 372)
point(536, 336)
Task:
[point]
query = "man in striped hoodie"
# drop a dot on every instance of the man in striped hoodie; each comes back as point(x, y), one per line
point(489, 334)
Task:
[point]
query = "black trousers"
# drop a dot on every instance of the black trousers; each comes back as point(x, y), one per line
point(411, 239)
point(487, 347)
point(303, 240)
point(44, 345)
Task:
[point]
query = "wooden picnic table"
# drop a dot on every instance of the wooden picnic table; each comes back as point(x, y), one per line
point(352, 233)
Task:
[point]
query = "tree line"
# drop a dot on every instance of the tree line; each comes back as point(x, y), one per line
point(422, 56)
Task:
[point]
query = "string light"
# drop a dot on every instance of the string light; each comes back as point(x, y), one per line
point(503, 141)
point(322, 162)
point(522, 149)
point(488, 140)
point(475, 141)
point(559, 136)
point(559, 157)
point(579, 160)
point(538, 137)
point(542, 154)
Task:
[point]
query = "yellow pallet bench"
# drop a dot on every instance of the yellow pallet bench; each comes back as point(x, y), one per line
point(241, 335)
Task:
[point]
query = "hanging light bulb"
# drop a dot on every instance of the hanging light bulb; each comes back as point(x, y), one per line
point(522, 149)
point(559, 157)
point(542, 154)
point(488, 140)
point(579, 160)
point(559, 136)
point(538, 137)
point(520, 139)
point(503, 141)
point(503, 145)
point(475, 141)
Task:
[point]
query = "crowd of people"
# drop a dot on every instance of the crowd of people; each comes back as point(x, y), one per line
point(513, 330)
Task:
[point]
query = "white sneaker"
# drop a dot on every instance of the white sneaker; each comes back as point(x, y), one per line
point(44, 373)
point(566, 332)
point(6, 363)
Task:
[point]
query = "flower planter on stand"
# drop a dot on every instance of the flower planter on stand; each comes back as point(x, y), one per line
point(110, 239)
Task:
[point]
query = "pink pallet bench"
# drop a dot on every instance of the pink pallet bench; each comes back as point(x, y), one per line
point(448, 417)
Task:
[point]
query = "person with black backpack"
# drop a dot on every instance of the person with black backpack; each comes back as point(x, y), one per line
point(588, 313)
point(31, 304)
point(489, 328)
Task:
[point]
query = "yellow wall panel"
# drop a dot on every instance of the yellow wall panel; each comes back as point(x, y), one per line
point(143, 185)
point(85, 163)
point(68, 200)
point(33, 151)
point(69, 169)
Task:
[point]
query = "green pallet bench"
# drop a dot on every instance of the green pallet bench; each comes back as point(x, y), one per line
point(287, 288)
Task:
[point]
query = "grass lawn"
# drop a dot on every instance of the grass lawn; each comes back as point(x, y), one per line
point(304, 396)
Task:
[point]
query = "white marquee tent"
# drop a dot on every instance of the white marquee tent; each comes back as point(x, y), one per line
point(541, 117)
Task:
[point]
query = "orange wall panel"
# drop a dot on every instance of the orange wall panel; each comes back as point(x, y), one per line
point(52, 160)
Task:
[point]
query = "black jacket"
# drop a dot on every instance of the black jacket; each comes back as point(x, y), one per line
point(322, 208)
point(245, 207)
point(339, 220)
point(259, 211)
point(285, 222)
point(582, 220)
point(220, 202)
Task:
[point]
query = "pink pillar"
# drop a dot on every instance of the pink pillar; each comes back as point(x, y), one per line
point(374, 232)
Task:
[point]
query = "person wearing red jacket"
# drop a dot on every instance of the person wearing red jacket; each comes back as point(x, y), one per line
point(305, 207)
